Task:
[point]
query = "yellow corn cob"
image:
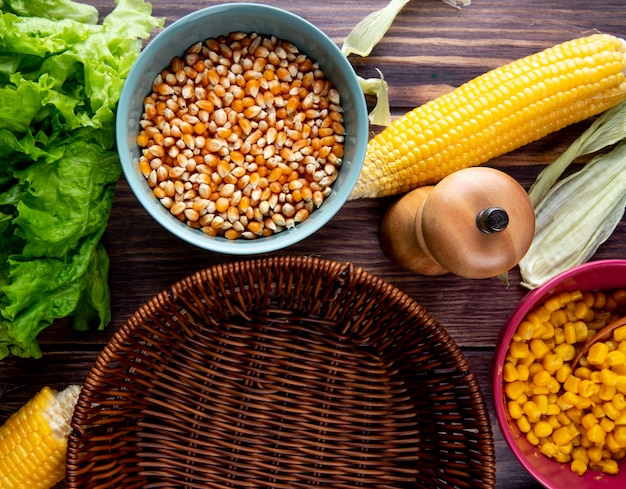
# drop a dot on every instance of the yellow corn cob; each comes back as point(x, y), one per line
point(495, 113)
point(33, 441)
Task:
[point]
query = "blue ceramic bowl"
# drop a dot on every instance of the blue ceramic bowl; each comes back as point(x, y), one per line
point(221, 20)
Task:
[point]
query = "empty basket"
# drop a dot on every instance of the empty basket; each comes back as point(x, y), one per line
point(283, 372)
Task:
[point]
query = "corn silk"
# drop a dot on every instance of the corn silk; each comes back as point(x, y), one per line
point(576, 214)
point(61, 74)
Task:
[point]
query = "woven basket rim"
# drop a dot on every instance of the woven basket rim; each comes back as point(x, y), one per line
point(330, 305)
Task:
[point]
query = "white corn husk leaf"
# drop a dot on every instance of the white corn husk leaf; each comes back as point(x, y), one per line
point(381, 114)
point(364, 37)
point(369, 31)
point(577, 215)
point(606, 130)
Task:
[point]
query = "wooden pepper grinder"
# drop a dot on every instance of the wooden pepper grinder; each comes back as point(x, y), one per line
point(476, 223)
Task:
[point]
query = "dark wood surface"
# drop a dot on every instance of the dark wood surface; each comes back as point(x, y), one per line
point(429, 49)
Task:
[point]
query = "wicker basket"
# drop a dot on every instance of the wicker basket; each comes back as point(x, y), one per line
point(283, 372)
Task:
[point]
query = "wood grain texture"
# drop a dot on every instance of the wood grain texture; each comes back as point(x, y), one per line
point(429, 49)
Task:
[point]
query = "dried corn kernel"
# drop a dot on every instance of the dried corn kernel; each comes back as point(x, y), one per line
point(207, 124)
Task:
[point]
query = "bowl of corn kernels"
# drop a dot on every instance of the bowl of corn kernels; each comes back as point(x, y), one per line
point(242, 128)
point(563, 414)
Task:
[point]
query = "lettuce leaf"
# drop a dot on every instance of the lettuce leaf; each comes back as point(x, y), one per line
point(61, 75)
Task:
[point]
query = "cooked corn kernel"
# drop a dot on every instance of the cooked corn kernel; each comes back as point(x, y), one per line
point(576, 417)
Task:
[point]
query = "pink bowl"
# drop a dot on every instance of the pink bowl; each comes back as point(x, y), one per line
point(603, 275)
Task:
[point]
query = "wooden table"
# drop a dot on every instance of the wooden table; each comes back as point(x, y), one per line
point(430, 49)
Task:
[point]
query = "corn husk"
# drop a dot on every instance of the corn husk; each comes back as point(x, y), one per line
point(364, 37)
point(608, 129)
point(575, 217)
point(381, 114)
point(369, 31)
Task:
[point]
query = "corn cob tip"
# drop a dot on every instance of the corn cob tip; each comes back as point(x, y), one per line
point(33, 441)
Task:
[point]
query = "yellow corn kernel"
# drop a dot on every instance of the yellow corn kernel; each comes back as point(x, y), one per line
point(620, 368)
point(553, 409)
point(580, 454)
point(515, 409)
point(539, 348)
point(552, 362)
point(514, 390)
point(549, 449)
point(553, 420)
point(566, 351)
point(523, 372)
point(588, 420)
point(608, 377)
point(578, 467)
point(596, 434)
point(597, 353)
point(585, 442)
point(553, 386)
point(567, 400)
point(598, 411)
point(552, 304)
point(574, 296)
point(542, 429)
point(559, 336)
point(569, 332)
point(582, 308)
point(509, 372)
point(606, 392)
point(523, 424)
point(541, 401)
point(542, 378)
point(607, 425)
point(575, 414)
point(594, 454)
point(583, 373)
point(532, 438)
point(563, 373)
point(582, 331)
point(534, 368)
point(619, 334)
point(558, 318)
point(584, 402)
point(610, 443)
point(619, 401)
point(494, 114)
point(610, 411)
point(609, 466)
point(33, 440)
point(621, 419)
point(563, 419)
point(518, 349)
point(525, 330)
point(563, 435)
point(620, 385)
point(586, 388)
point(615, 358)
point(532, 411)
point(562, 457)
point(620, 436)
point(572, 384)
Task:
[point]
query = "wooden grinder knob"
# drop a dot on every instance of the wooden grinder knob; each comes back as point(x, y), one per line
point(475, 223)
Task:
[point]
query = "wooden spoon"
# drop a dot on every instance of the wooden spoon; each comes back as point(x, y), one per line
point(604, 334)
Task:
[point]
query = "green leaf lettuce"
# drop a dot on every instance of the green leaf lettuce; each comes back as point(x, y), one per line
point(61, 75)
